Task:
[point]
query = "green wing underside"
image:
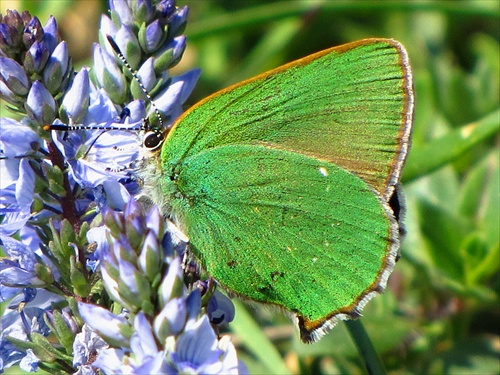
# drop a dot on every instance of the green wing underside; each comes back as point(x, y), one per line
point(279, 234)
point(343, 106)
point(282, 182)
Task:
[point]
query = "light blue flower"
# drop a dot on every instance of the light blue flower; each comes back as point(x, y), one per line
point(96, 156)
point(56, 70)
point(17, 142)
point(75, 103)
point(40, 105)
point(20, 323)
point(30, 361)
point(14, 80)
point(70, 222)
point(197, 351)
point(36, 58)
point(106, 324)
point(87, 343)
point(109, 75)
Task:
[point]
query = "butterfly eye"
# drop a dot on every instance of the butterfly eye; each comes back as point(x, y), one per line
point(152, 140)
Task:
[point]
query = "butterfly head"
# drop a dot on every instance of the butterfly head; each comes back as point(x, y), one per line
point(152, 137)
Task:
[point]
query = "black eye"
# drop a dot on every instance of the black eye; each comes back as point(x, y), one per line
point(152, 140)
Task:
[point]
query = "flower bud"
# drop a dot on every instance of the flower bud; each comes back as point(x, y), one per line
point(172, 285)
point(33, 32)
point(40, 105)
point(121, 12)
point(166, 7)
point(151, 36)
point(143, 11)
point(51, 36)
point(76, 100)
point(129, 45)
point(170, 54)
point(9, 40)
point(56, 68)
point(36, 57)
point(109, 75)
point(178, 22)
point(148, 79)
point(14, 77)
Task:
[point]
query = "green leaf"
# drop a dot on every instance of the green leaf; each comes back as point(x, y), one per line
point(256, 342)
point(79, 282)
point(474, 356)
point(45, 349)
point(271, 45)
point(63, 332)
point(446, 230)
point(423, 159)
point(55, 178)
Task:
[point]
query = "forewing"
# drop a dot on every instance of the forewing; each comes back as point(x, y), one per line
point(350, 105)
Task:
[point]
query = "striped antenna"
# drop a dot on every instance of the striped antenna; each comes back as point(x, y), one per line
point(64, 127)
point(134, 74)
point(73, 127)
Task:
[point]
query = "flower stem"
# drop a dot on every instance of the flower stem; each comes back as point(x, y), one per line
point(365, 347)
point(68, 201)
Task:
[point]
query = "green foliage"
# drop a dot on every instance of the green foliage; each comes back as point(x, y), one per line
point(440, 313)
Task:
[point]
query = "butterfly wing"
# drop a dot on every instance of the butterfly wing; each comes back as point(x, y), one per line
point(287, 229)
point(351, 105)
point(283, 182)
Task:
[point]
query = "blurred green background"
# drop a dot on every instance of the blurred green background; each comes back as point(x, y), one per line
point(441, 312)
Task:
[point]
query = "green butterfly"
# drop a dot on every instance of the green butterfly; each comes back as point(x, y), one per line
point(287, 183)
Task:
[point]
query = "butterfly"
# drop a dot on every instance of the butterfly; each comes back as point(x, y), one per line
point(287, 184)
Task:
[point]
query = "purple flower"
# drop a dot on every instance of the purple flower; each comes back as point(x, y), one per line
point(8, 34)
point(143, 11)
point(37, 57)
point(109, 75)
point(107, 324)
point(178, 20)
point(33, 32)
point(57, 67)
point(169, 101)
point(78, 244)
point(40, 105)
point(129, 45)
point(17, 141)
point(76, 101)
point(170, 54)
point(122, 10)
point(147, 76)
point(166, 7)
point(220, 309)
point(51, 34)
point(198, 351)
point(151, 36)
point(13, 78)
point(86, 345)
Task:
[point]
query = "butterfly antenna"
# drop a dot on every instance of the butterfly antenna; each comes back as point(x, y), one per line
point(136, 77)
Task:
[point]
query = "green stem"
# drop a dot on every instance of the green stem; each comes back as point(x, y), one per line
point(365, 347)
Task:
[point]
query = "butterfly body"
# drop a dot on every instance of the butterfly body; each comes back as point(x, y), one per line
point(283, 182)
